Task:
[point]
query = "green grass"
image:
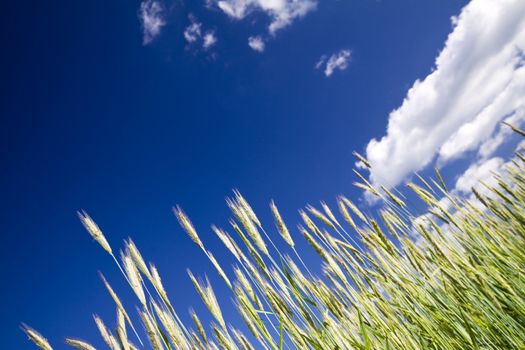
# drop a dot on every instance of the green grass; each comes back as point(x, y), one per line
point(451, 279)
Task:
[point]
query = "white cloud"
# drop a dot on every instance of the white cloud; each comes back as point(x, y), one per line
point(489, 146)
point(281, 12)
point(256, 43)
point(209, 40)
point(338, 60)
point(477, 173)
point(521, 146)
point(482, 172)
point(478, 80)
point(151, 15)
point(480, 175)
point(194, 34)
point(321, 61)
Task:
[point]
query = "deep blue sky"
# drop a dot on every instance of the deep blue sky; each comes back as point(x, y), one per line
point(91, 118)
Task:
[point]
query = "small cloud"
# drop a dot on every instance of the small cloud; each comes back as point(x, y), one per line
point(152, 18)
point(337, 60)
point(235, 9)
point(321, 61)
point(256, 43)
point(209, 40)
point(282, 13)
point(194, 34)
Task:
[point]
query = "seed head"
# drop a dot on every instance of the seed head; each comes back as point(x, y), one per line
point(36, 337)
point(187, 226)
point(79, 344)
point(281, 226)
point(94, 230)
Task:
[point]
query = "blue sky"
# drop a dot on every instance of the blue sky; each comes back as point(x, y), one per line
point(128, 108)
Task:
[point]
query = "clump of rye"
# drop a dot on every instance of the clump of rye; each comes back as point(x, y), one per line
point(450, 279)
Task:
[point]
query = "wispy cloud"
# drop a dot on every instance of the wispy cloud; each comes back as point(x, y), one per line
point(320, 62)
point(209, 40)
point(256, 43)
point(152, 18)
point(194, 34)
point(338, 60)
point(281, 12)
point(478, 81)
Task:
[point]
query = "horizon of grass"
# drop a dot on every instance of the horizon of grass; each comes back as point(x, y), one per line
point(450, 279)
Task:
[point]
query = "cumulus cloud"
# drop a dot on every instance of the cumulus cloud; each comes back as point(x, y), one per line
point(482, 173)
point(281, 12)
point(489, 146)
point(478, 81)
point(256, 43)
point(338, 60)
point(152, 18)
point(194, 34)
point(478, 173)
